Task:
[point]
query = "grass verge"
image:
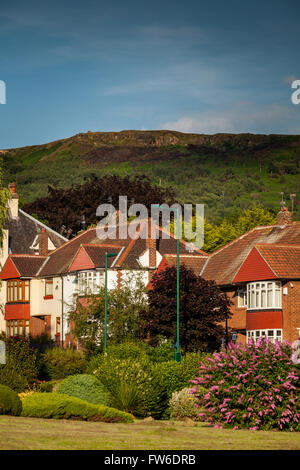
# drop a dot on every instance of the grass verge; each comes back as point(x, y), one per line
point(19, 433)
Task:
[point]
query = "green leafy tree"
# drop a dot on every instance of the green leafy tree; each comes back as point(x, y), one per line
point(124, 306)
point(218, 235)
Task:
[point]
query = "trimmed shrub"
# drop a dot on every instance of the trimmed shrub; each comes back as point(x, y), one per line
point(20, 369)
point(252, 386)
point(60, 363)
point(86, 387)
point(10, 403)
point(183, 405)
point(60, 406)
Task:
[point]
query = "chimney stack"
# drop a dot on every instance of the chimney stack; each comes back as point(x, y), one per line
point(284, 216)
point(43, 243)
point(13, 203)
point(151, 244)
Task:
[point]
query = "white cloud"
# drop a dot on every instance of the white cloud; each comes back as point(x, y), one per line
point(244, 117)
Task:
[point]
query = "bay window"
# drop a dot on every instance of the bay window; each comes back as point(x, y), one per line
point(270, 335)
point(17, 327)
point(18, 291)
point(264, 295)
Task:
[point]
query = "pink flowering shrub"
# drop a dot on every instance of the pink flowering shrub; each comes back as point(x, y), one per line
point(252, 386)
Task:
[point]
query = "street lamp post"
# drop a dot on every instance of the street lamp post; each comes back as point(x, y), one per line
point(177, 354)
point(107, 255)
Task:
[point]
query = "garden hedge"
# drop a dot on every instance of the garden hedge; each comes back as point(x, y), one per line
point(87, 388)
point(10, 403)
point(60, 406)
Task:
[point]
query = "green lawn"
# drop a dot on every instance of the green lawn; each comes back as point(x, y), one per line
point(17, 433)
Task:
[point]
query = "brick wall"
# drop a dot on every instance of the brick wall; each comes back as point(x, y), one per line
point(238, 318)
point(291, 311)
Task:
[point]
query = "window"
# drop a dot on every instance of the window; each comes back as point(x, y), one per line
point(49, 288)
point(18, 291)
point(270, 335)
point(17, 327)
point(89, 282)
point(242, 297)
point(263, 295)
point(57, 325)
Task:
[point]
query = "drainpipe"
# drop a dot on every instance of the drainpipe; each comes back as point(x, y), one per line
point(62, 311)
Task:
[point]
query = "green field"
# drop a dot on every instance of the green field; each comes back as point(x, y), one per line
point(17, 433)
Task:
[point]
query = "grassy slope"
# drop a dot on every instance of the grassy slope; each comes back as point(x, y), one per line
point(222, 171)
point(18, 433)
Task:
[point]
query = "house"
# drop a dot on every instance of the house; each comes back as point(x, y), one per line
point(260, 272)
point(23, 234)
point(41, 288)
point(43, 273)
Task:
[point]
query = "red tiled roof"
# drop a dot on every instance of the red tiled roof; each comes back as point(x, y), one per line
point(60, 260)
point(195, 263)
point(223, 265)
point(284, 260)
point(97, 254)
point(27, 265)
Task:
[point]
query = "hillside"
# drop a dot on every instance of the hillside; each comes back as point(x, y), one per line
point(223, 171)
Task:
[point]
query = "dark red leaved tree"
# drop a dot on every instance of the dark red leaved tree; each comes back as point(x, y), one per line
point(203, 310)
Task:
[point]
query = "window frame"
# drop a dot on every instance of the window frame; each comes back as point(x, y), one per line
point(89, 282)
point(48, 282)
point(17, 327)
point(255, 296)
point(265, 333)
point(18, 291)
point(242, 297)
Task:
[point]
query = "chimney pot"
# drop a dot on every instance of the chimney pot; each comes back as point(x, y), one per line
point(12, 187)
point(13, 203)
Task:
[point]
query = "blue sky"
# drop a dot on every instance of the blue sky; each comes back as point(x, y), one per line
point(192, 66)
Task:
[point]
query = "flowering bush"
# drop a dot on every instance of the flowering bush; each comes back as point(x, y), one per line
point(253, 386)
point(183, 405)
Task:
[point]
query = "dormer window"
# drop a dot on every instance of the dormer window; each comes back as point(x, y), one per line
point(264, 295)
